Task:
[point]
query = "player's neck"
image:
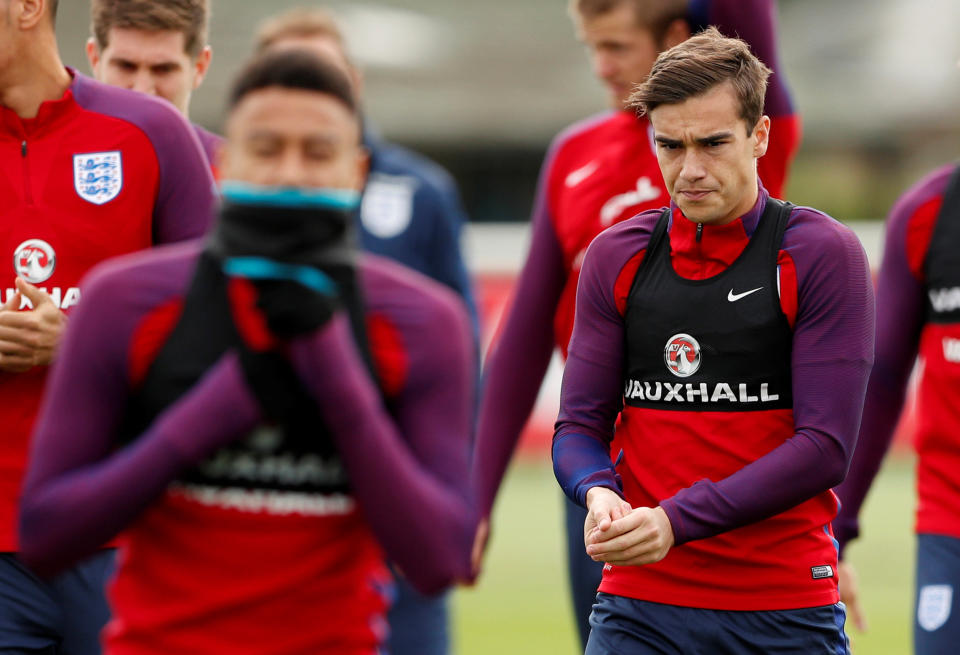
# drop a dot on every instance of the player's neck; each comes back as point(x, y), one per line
point(37, 75)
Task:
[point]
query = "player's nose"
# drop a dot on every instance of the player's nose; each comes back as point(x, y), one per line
point(604, 66)
point(290, 171)
point(143, 82)
point(693, 165)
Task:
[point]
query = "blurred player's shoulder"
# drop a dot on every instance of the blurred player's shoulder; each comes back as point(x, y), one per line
point(627, 237)
point(411, 301)
point(392, 159)
point(588, 129)
point(930, 187)
point(143, 278)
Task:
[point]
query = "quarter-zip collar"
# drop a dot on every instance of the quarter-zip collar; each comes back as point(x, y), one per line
point(718, 246)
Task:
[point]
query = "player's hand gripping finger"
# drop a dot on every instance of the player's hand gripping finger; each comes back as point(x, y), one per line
point(646, 536)
point(38, 330)
point(604, 506)
point(850, 594)
point(15, 357)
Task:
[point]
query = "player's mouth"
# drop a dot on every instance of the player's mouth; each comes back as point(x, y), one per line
point(695, 194)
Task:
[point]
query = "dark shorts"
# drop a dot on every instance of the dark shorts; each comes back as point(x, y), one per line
point(624, 626)
point(419, 625)
point(61, 616)
point(936, 628)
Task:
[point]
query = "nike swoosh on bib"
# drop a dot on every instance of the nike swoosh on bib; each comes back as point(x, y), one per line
point(734, 297)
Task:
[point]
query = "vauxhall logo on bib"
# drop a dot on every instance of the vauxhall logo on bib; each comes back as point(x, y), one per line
point(98, 176)
point(682, 355)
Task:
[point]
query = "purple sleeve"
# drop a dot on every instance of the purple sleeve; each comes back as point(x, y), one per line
point(516, 365)
point(831, 360)
point(900, 311)
point(754, 21)
point(592, 392)
point(412, 486)
point(79, 492)
point(183, 208)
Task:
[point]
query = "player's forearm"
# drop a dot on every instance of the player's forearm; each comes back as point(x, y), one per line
point(899, 320)
point(515, 367)
point(426, 525)
point(885, 396)
point(806, 465)
point(581, 462)
point(78, 495)
point(67, 517)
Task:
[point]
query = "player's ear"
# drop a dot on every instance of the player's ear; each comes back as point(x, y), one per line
point(363, 167)
point(677, 32)
point(761, 137)
point(30, 13)
point(93, 54)
point(202, 65)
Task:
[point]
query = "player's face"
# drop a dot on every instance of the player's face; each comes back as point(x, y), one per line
point(297, 138)
point(152, 62)
point(621, 51)
point(708, 160)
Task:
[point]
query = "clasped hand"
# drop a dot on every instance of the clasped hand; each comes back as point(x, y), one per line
point(616, 533)
point(30, 338)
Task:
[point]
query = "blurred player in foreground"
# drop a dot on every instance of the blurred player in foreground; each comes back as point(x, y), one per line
point(411, 213)
point(87, 172)
point(230, 426)
point(918, 314)
point(735, 334)
point(597, 173)
point(154, 47)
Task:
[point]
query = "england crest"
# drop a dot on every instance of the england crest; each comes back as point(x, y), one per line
point(933, 607)
point(387, 205)
point(98, 176)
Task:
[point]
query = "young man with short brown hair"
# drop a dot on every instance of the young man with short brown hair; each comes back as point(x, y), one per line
point(598, 172)
point(732, 335)
point(158, 48)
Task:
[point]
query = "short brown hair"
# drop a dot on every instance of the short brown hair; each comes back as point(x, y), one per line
point(699, 64)
point(189, 17)
point(654, 15)
point(302, 22)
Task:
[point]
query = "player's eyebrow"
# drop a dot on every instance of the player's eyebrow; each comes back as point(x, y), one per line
point(719, 136)
point(702, 140)
point(664, 141)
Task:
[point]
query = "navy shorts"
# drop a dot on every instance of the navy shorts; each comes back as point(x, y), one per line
point(625, 626)
point(60, 616)
point(936, 629)
point(419, 625)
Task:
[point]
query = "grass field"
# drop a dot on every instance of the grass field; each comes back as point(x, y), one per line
point(521, 605)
